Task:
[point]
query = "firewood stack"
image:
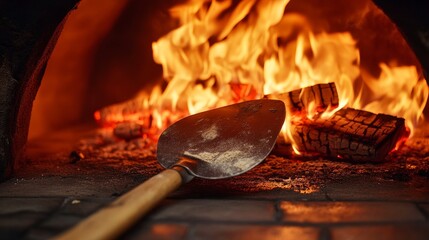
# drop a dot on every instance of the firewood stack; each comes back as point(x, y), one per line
point(348, 134)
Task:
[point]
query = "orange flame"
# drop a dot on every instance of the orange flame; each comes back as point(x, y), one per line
point(226, 51)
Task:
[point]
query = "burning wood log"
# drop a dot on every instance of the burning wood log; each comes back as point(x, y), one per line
point(140, 111)
point(132, 110)
point(322, 96)
point(350, 134)
point(128, 130)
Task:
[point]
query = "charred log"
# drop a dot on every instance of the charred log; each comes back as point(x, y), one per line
point(135, 109)
point(322, 96)
point(128, 130)
point(350, 134)
point(28, 33)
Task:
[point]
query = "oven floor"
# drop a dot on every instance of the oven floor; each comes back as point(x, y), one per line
point(280, 199)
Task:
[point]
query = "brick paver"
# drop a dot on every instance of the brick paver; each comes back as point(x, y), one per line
point(76, 186)
point(216, 210)
point(40, 234)
point(85, 206)
point(254, 232)
point(157, 232)
point(368, 188)
point(20, 221)
point(20, 214)
point(60, 221)
point(35, 205)
point(425, 208)
point(259, 215)
point(382, 232)
point(346, 212)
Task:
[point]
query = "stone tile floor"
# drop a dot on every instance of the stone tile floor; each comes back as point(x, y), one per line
point(279, 199)
point(40, 208)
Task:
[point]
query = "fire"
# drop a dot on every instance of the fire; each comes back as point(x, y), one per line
point(397, 91)
point(225, 52)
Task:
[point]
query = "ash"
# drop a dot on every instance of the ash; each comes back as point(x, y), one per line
point(280, 171)
point(107, 146)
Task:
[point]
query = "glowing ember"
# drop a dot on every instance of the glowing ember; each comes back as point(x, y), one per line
point(226, 52)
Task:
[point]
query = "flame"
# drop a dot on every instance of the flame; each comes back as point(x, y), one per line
point(227, 51)
point(397, 91)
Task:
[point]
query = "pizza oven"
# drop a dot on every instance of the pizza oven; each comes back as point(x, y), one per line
point(87, 87)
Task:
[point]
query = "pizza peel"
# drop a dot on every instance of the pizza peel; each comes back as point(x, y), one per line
point(214, 144)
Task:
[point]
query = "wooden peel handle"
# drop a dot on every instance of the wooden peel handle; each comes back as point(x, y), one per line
point(114, 219)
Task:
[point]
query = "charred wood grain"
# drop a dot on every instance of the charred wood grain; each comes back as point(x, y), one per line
point(350, 134)
point(322, 96)
point(28, 33)
point(135, 109)
point(128, 130)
